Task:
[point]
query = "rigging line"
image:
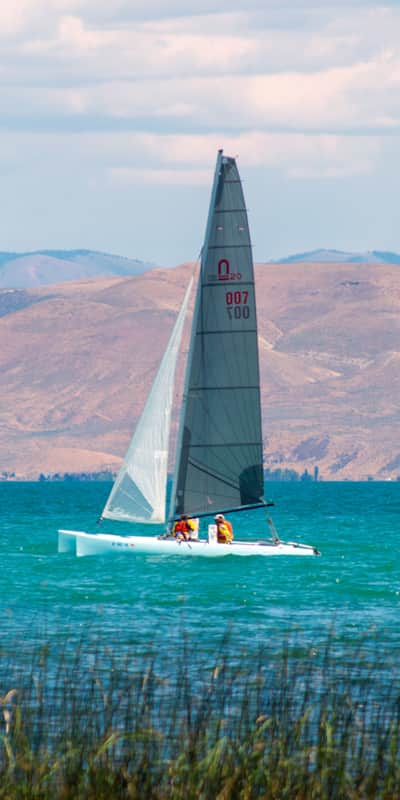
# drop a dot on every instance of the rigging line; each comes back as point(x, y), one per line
point(233, 486)
point(225, 332)
point(218, 497)
point(213, 475)
point(236, 444)
point(220, 388)
point(229, 246)
point(211, 513)
point(213, 470)
point(226, 284)
point(232, 211)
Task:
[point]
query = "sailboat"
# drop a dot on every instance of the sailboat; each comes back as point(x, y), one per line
point(219, 454)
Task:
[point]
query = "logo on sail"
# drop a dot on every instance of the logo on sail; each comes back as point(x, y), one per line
point(224, 272)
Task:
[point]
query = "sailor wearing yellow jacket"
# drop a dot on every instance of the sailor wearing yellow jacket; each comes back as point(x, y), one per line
point(224, 530)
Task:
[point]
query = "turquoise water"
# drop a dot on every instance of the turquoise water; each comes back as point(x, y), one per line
point(147, 600)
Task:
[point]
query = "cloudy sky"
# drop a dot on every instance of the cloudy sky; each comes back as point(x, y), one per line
point(112, 113)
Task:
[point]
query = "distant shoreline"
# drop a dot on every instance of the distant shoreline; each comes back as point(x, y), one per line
point(59, 477)
point(107, 476)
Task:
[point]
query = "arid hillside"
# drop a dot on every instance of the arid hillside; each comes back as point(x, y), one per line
point(77, 361)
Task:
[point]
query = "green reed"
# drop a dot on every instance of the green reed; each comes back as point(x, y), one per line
point(80, 721)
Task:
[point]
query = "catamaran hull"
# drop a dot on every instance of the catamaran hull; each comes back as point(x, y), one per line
point(80, 543)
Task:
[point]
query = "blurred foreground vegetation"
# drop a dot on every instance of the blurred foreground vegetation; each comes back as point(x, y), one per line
point(296, 723)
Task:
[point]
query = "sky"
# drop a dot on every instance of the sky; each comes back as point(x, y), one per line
point(112, 114)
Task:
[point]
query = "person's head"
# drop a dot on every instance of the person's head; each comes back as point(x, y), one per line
point(219, 518)
point(184, 517)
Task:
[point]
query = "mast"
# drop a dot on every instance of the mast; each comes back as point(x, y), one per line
point(193, 339)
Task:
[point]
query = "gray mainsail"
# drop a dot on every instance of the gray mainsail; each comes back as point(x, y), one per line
point(220, 454)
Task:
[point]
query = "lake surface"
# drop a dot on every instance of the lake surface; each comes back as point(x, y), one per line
point(142, 601)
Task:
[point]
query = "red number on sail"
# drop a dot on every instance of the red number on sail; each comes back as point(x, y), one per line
point(236, 298)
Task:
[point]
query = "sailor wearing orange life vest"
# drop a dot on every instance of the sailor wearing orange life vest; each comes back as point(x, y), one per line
point(224, 530)
point(183, 528)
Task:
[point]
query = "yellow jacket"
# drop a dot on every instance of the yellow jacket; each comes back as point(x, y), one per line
point(224, 532)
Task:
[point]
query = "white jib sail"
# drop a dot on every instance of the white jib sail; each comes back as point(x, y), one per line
point(139, 492)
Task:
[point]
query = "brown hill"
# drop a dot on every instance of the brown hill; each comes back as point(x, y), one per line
point(77, 361)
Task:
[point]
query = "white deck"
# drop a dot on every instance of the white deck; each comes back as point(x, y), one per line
point(89, 544)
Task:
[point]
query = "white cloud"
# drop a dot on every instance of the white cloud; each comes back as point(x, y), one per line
point(363, 97)
point(342, 75)
point(133, 93)
point(137, 158)
point(270, 85)
point(232, 42)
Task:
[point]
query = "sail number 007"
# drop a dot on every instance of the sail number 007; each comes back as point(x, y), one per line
point(236, 305)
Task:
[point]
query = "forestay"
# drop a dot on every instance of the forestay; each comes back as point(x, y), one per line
point(219, 460)
point(139, 492)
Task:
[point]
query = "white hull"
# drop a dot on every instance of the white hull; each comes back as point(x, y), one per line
point(90, 544)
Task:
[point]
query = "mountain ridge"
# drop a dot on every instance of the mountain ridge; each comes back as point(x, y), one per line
point(340, 256)
point(78, 359)
point(46, 267)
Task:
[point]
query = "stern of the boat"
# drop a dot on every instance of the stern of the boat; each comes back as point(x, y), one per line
point(67, 542)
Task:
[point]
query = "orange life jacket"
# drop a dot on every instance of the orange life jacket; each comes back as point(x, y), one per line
point(182, 526)
point(224, 532)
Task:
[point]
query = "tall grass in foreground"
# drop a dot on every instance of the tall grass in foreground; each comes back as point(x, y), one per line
point(310, 724)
